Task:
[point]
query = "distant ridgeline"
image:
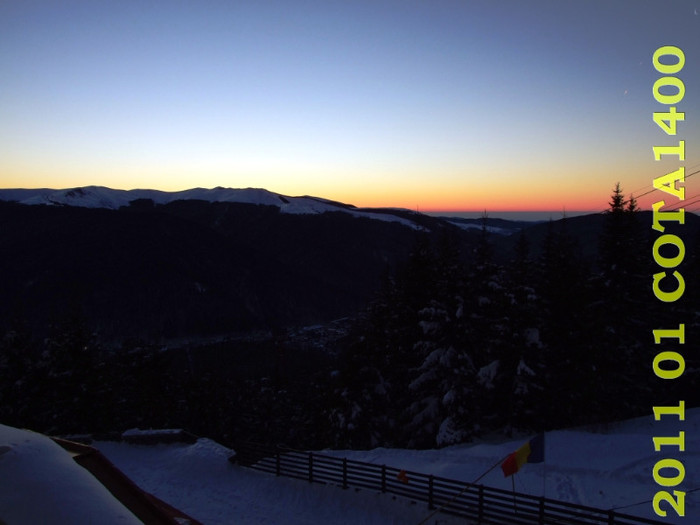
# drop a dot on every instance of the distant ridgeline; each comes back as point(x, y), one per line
point(210, 261)
point(201, 262)
point(450, 330)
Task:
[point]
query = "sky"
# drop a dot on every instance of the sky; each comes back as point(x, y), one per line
point(441, 105)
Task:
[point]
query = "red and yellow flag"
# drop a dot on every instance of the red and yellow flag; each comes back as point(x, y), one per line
point(530, 452)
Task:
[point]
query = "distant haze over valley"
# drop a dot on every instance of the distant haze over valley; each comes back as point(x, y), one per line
point(512, 215)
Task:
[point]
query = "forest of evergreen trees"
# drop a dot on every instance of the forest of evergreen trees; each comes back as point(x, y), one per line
point(457, 344)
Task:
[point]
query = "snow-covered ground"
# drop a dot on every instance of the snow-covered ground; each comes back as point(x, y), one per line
point(200, 481)
point(605, 469)
point(608, 468)
point(601, 469)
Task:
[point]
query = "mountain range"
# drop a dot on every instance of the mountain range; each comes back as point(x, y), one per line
point(102, 197)
point(154, 264)
point(151, 264)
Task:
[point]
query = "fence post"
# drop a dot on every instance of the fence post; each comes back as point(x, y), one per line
point(431, 505)
point(345, 473)
point(383, 478)
point(541, 516)
point(481, 503)
point(311, 467)
point(611, 517)
point(277, 461)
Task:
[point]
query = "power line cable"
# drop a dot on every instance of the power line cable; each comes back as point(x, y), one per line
point(643, 188)
point(637, 197)
point(686, 202)
point(657, 189)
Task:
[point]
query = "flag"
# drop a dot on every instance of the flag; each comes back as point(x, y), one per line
point(530, 452)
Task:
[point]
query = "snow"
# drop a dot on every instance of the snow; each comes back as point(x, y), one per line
point(488, 373)
point(606, 467)
point(603, 468)
point(523, 369)
point(200, 481)
point(532, 337)
point(137, 432)
point(448, 433)
point(101, 197)
point(40, 483)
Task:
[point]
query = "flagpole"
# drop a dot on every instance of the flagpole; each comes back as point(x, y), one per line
point(489, 470)
point(544, 470)
point(466, 487)
point(515, 463)
point(544, 479)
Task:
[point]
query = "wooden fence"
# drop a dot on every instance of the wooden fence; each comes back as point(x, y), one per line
point(478, 503)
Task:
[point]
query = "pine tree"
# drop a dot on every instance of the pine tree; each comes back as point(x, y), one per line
point(17, 356)
point(617, 201)
point(443, 386)
point(569, 336)
point(523, 366)
point(372, 394)
point(621, 245)
point(66, 380)
point(621, 287)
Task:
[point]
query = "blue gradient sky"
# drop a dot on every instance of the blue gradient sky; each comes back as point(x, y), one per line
point(453, 105)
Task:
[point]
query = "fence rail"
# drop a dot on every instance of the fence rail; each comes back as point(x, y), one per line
point(481, 504)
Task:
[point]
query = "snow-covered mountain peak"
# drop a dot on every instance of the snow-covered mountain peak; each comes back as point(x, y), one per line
point(102, 197)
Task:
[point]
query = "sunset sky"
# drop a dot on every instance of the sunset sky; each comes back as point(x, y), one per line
point(431, 105)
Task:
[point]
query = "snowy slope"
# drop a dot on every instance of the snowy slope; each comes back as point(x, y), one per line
point(610, 469)
point(200, 481)
point(40, 483)
point(101, 197)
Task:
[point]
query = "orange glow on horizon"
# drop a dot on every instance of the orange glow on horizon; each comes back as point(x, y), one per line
point(452, 202)
point(473, 191)
point(416, 197)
